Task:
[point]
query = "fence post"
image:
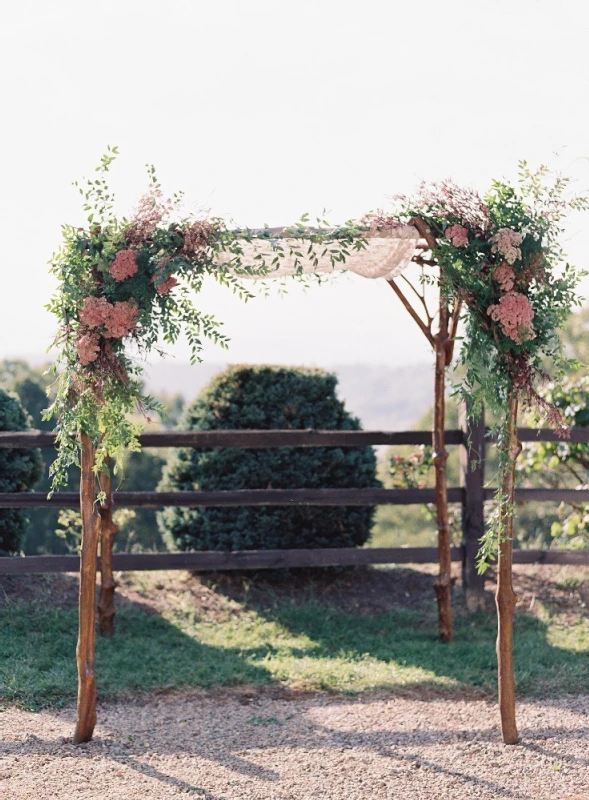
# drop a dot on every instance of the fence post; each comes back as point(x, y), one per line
point(472, 479)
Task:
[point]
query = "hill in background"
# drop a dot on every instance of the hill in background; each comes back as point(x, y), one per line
point(385, 398)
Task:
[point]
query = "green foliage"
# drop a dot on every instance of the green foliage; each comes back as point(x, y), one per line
point(500, 258)
point(20, 469)
point(125, 282)
point(266, 398)
point(563, 464)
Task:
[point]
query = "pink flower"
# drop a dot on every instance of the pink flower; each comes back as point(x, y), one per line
point(95, 311)
point(458, 235)
point(121, 319)
point(515, 314)
point(88, 348)
point(505, 277)
point(165, 287)
point(124, 265)
point(116, 320)
point(196, 239)
point(152, 210)
point(507, 242)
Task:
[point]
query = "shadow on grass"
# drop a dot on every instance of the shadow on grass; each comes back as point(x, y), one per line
point(345, 632)
point(549, 657)
point(146, 653)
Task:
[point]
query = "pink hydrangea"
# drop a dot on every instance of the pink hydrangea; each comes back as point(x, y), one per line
point(116, 320)
point(505, 277)
point(95, 311)
point(121, 319)
point(165, 287)
point(88, 348)
point(515, 314)
point(124, 265)
point(507, 242)
point(457, 234)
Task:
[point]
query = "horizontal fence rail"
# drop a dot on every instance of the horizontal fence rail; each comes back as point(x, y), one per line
point(239, 497)
point(252, 439)
point(210, 561)
point(471, 495)
point(244, 439)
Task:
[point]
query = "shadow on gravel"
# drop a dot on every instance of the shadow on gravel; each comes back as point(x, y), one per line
point(181, 729)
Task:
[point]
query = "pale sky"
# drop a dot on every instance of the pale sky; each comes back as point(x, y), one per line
point(263, 110)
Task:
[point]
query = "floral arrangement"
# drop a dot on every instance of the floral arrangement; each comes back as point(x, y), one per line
point(500, 257)
point(128, 285)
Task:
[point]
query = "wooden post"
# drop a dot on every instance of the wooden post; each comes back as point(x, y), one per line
point(505, 596)
point(86, 711)
point(443, 585)
point(106, 600)
point(472, 478)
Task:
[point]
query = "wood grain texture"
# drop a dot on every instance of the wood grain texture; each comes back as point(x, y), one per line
point(85, 651)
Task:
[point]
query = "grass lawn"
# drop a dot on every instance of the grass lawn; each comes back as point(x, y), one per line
point(352, 631)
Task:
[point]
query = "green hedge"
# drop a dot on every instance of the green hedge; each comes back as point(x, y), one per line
point(266, 398)
point(20, 469)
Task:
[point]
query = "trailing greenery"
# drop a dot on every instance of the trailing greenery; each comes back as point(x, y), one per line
point(20, 469)
point(563, 464)
point(125, 286)
point(266, 398)
point(499, 257)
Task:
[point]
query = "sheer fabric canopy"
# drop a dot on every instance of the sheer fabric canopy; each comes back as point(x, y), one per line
point(387, 254)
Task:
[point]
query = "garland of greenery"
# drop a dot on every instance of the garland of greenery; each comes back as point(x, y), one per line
point(125, 285)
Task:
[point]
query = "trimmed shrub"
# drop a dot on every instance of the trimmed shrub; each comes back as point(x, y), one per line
point(20, 469)
point(266, 398)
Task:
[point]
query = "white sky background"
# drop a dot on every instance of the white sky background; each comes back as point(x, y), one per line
point(263, 110)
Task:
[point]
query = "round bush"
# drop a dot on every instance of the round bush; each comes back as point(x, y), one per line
point(266, 398)
point(20, 469)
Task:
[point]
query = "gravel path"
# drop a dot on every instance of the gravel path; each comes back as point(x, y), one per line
point(263, 748)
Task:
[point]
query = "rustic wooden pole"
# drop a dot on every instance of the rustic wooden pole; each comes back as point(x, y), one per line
point(86, 712)
point(443, 346)
point(472, 479)
point(505, 596)
point(443, 585)
point(106, 600)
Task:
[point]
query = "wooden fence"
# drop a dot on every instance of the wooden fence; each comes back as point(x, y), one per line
point(471, 494)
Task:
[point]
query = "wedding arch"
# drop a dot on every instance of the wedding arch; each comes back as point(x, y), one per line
point(126, 284)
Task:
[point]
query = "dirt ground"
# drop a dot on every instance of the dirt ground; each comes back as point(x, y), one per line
point(263, 748)
point(361, 590)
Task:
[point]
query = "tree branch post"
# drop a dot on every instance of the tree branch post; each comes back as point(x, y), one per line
point(505, 597)
point(443, 585)
point(85, 651)
point(108, 585)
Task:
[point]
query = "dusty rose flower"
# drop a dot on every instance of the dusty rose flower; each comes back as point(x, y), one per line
point(88, 348)
point(121, 319)
point(505, 277)
point(457, 234)
point(515, 314)
point(124, 265)
point(95, 311)
point(165, 287)
point(196, 239)
point(507, 242)
point(152, 210)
